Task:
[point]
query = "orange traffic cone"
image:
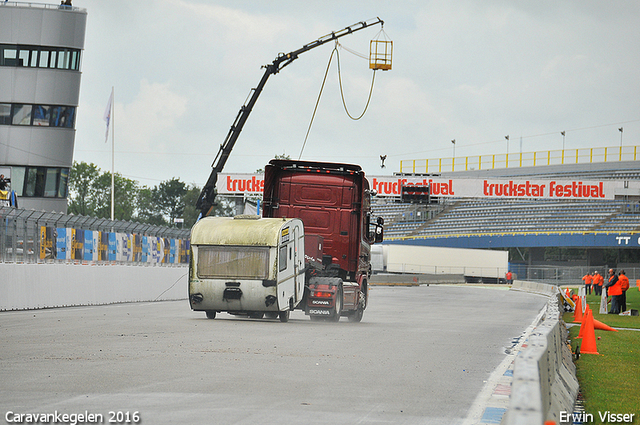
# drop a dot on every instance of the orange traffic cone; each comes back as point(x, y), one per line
point(583, 325)
point(602, 326)
point(577, 313)
point(589, 337)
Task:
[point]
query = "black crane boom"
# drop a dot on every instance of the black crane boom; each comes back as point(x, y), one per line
point(207, 195)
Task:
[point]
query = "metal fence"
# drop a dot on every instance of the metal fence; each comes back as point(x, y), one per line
point(522, 159)
point(570, 275)
point(29, 236)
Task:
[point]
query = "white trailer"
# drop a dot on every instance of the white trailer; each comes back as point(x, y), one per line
point(247, 265)
point(436, 260)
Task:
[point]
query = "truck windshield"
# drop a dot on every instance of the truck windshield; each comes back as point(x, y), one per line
point(240, 262)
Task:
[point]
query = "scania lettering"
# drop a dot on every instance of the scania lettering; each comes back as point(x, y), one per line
point(318, 312)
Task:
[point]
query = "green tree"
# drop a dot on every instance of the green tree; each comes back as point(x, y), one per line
point(170, 198)
point(191, 213)
point(147, 207)
point(82, 189)
point(125, 194)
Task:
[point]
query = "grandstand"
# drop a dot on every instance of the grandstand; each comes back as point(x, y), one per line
point(493, 216)
point(593, 225)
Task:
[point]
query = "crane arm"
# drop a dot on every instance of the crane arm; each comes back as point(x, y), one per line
point(207, 195)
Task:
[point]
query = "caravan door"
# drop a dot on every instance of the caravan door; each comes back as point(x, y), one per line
point(288, 265)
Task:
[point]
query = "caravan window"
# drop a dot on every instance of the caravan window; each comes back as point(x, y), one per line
point(239, 262)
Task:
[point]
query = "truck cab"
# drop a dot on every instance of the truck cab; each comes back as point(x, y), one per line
point(333, 202)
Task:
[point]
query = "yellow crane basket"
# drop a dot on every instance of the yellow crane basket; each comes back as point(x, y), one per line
point(380, 54)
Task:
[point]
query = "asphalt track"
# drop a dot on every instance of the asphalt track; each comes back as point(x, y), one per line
point(421, 355)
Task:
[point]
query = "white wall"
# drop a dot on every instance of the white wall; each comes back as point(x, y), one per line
point(31, 286)
point(435, 260)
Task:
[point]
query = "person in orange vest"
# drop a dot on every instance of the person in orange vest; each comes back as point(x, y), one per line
point(509, 278)
point(598, 280)
point(614, 290)
point(587, 283)
point(624, 286)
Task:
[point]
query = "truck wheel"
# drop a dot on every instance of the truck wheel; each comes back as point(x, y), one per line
point(284, 316)
point(356, 316)
point(211, 314)
point(335, 317)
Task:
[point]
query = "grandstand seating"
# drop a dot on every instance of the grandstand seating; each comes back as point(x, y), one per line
point(495, 216)
point(490, 216)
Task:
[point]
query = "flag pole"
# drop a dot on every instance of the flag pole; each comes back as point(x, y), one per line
point(112, 154)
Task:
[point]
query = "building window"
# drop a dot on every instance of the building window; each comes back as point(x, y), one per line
point(63, 183)
point(8, 55)
point(63, 116)
point(39, 57)
point(21, 114)
point(40, 182)
point(17, 179)
point(5, 113)
point(51, 183)
point(39, 115)
point(44, 59)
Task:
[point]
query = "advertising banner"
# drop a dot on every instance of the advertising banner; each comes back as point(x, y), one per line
point(90, 245)
point(47, 241)
point(113, 247)
point(145, 249)
point(62, 250)
point(516, 188)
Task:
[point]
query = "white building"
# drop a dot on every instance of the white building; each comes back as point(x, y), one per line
point(40, 59)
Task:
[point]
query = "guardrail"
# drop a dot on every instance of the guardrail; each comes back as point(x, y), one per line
point(42, 6)
point(544, 377)
point(29, 236)
point(522, 159)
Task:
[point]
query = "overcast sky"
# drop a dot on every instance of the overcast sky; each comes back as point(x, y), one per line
point(474, 71)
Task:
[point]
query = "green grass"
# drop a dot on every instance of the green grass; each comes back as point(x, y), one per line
point(610, 381)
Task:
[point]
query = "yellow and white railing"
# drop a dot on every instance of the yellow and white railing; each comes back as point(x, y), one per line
point(521, 159)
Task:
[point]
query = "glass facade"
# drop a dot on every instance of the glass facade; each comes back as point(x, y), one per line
point(39, 57)
point(40, 182)
point(38, 115)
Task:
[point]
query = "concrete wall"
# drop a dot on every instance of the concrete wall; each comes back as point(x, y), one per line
point(32, 286)
point(544, 377)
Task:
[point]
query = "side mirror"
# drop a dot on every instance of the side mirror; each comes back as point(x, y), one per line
point(379, 230)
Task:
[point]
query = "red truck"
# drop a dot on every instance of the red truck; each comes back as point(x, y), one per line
point(311, 249)
point(333, 201)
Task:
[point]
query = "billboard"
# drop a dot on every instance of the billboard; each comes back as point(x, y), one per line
point(517, 188)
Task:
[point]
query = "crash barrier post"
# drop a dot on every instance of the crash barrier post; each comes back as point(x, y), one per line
point(544, 377)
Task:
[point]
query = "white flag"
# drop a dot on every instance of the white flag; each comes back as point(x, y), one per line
point(107, 116)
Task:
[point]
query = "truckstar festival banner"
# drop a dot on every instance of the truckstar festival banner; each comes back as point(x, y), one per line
point(253, 184)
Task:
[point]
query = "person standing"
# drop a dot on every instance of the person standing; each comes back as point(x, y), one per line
point(614, 290)
point(509, 278)
point(587, 283)
point(624, 286)
point(4, 182)
point(598, 280)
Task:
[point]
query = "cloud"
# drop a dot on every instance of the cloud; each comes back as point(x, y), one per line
point(145, 122)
